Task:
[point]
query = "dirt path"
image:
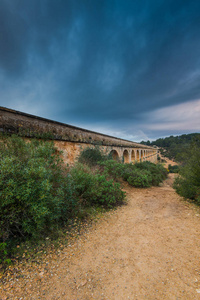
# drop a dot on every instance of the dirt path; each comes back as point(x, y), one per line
point(148, 249)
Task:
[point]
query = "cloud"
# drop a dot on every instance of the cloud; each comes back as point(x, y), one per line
point(105, 63)
point(181, 117)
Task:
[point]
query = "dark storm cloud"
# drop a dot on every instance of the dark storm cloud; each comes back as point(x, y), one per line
point(99, 62)
point(28, 28)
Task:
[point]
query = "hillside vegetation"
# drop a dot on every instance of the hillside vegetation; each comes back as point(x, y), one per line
point(187, 184)
point(174, 147)
point(185, 149)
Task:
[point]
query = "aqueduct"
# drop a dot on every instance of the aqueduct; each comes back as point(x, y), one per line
point(72, 140)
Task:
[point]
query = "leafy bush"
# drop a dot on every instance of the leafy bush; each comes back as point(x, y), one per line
point(116, 170)
point(128, 170)
point(140, 178)
point(94, 188)
point(107, 192)
point(112, 168)
point(142, 174)
point(91, 156)
point(185, 189)
point(157, 171)
point(4, 260)
point(173, 169)
point(35, 193)
point(83, 180)
point(187, 184)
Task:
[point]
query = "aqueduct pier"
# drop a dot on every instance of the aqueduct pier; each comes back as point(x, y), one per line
point(72, 140)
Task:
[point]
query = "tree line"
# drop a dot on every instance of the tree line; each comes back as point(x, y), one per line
point(175, 147)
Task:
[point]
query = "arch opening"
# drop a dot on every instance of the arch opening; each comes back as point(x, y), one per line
point(145, 154)
point(138, 155)
point(133, 158)
point(114, 155)
point(125, 157)
point(142, 155)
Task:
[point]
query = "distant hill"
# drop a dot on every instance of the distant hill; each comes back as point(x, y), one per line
point(175, 146)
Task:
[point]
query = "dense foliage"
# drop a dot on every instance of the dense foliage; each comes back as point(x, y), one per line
point(174, 146)
point(173, 169)
point(39, 195)
point(91, 156)
point(188, 183)
point(186, 150)
point(144, 174)
point(35, 191)
point(94, 188)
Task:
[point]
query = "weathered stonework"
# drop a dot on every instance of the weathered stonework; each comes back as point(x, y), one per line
point(70, 139)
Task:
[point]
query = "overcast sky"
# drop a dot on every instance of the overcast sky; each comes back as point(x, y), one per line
point(128, 68)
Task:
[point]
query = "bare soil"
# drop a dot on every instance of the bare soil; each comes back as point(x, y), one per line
point(147, 249)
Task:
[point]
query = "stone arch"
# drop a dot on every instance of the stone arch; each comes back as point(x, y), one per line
point(133, 158)
point(125, 157)
point(142, 155)
point(114, 154)
point(138, 155)
point(145, 154)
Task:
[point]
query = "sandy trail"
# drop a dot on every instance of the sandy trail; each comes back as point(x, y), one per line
point(147, 249)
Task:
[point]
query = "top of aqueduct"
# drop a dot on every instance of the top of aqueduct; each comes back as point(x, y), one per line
point(12, 121)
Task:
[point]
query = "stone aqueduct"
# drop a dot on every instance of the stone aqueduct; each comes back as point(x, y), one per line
point(72, 140)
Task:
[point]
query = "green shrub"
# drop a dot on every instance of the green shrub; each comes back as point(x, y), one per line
point(158, 172)
point(185, 189)
point(91, 156)
point(142, 174)
point(4, 260)
point(128, 170)
point(140, 178)
point(173, 169)
point(83, 180)
point(112, 168)
point(107, 192)
point(35, 193)
point(187, 184)
point(94, 188)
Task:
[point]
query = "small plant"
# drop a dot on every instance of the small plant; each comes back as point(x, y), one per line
point(83, 181)
point(158, 172)
point(107, 193)
point(91, 156)
point(187, 190)
point(140, 178)
point(143, 174)
point(93, 189)
point(173, 169)
point(187, 184)
point(4, 260)
point(128, 170)
point(112, 168)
